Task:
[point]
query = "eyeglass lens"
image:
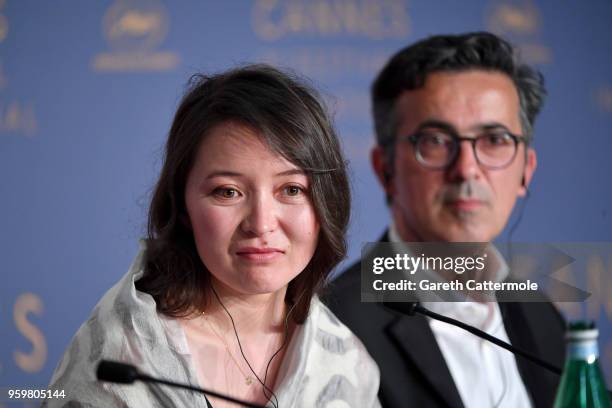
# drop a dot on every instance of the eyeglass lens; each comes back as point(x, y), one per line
point(439, 149)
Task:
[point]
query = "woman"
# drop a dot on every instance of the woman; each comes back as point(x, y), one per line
point(247, 220)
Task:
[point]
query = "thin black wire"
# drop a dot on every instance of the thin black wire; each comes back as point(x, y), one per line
point(513, 228)
point(519, 218)
point(268, 393)
point(148, 378)
point(286, 336)
point(513, 349)
point(515, 225)
point(503, 372)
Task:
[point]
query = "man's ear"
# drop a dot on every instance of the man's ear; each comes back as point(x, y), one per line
point(530, 166)
point(381, 168)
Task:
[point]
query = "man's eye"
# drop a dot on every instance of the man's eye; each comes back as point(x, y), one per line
point(435, 139)
point(498, 139)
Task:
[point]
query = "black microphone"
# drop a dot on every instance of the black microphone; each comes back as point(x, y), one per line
point(115, 372)
point(411, 308)
point(112, 371)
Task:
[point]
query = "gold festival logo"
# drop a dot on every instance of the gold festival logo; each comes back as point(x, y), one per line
point(603, 98)
point(31, 361)
point(3, 34)
point(16, 116)
point(339, 20)
point(133, 30)
point(3, 23)
point(34, 357)
point(374, 19)
point(519, 21)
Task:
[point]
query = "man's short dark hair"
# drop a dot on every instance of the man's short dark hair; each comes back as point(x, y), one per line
point(408, 70)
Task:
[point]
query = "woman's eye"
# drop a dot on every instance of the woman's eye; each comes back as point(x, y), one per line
point(225, 192)
point(293, 191)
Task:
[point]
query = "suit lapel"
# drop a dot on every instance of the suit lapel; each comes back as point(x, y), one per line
point(519, 332)
point(416, 340)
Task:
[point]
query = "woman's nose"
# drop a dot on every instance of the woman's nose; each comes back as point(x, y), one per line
point(261, 217)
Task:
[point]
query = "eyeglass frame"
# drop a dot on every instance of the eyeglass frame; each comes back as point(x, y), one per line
point(457, 139)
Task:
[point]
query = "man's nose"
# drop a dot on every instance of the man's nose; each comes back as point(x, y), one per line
point(260, 218)
point(465, 166)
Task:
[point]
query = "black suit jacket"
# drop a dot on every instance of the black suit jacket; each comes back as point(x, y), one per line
point(413, 370)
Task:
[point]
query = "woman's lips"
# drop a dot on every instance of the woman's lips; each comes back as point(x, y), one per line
point(259, 254)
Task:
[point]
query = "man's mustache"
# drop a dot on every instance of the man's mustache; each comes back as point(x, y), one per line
point(466, 190)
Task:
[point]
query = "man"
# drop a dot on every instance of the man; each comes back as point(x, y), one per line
point(454, 117)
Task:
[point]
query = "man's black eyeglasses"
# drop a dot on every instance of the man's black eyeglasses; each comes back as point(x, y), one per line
point(437, 149)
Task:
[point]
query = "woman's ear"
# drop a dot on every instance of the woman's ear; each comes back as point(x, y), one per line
point(184, 219)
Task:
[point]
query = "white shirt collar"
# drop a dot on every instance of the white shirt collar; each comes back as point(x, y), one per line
point(479, 314)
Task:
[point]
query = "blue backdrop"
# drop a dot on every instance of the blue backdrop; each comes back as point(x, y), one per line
point(88, 90)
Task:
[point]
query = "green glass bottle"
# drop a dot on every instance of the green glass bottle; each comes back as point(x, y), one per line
point(582, 383)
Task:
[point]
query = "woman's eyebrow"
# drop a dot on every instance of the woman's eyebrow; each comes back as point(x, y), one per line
point(224, 173)
point(291, 172)
point(229, 173)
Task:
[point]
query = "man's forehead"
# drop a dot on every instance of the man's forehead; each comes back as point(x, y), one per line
point(465, 100)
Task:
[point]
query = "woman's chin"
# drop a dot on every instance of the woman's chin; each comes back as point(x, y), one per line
point(256, 286)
